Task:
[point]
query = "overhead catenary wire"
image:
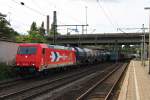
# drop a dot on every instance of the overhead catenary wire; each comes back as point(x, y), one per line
point(69, 16)
point(37, 11)
point(64, 13)
point(106, 15)
point(113, 23)
point(18, 2)
point(37, 5)
point(13, 20)
point(32, 9)
point(114, 20)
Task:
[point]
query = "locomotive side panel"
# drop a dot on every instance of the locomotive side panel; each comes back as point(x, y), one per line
point(60, 58)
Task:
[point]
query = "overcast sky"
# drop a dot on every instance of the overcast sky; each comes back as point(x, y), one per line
point(102, 15)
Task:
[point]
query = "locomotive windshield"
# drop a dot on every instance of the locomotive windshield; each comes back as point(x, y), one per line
point(27, 50)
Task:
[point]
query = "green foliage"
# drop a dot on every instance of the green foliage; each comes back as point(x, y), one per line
point(37, 38)
point(5, 28)
point(6, 71)
point(23, 38)
point(128, 48)
point(33, 38)
point(36, 35)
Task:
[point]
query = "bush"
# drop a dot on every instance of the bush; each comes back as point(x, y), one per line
point(6, 71)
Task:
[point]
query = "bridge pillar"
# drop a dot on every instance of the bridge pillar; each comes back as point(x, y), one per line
point(116, 46)
point(116, 49)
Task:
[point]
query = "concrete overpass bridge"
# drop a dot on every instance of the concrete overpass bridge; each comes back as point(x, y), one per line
point(100, 39)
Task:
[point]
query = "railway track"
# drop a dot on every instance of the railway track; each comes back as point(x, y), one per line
point(102, 90)
point(99, 87)
point(44, 86)
point(76, 87)
point(10, 82)
point(19, 80)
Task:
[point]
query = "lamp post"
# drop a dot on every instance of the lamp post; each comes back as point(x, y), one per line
point(144, 47)
point(142, 50)
point(148, 8)
point(86, 17)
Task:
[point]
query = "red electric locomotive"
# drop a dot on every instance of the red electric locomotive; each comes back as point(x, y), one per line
point(35, 57)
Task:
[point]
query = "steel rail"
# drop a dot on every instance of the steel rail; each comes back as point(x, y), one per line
point(41, 85)
point(65, 83)
point(10, 82)
point(81, 97)
point(109, 93)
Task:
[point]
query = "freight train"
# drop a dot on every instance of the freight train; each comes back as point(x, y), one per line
point(37, 57)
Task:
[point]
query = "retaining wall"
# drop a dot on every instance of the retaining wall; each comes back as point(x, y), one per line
point(8, 51)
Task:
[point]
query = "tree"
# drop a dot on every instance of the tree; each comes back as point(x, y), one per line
point(33, 28)
point(36, 35)
point(41, 29)
point(5, 27)
point(3, 22)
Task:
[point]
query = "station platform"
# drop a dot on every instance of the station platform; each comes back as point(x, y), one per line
point(136, 85)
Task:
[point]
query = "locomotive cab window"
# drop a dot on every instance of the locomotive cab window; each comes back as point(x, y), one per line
point(27, 50)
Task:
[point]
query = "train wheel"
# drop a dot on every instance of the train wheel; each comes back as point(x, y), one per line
point(45, 72)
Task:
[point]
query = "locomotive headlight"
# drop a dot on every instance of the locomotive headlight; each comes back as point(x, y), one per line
point(33, 64)
point(17, 64)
